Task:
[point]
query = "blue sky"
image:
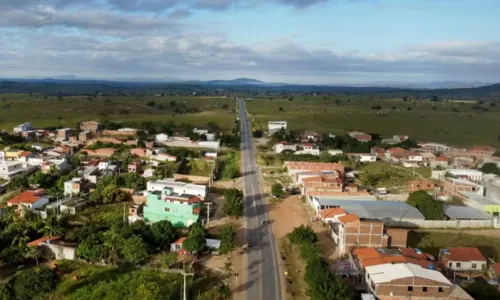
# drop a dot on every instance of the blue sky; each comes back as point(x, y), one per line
point(294, 41)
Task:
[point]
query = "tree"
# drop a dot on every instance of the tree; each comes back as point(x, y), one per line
point(164, 233)
point(258, 133)
point(18, 182)
point(91, 248)
point(51, 226)
point(33, 283)
point(132, 181)
point(228, 239)
point(430, 208)
point(490, 168)
point(111, 245)
point(134, 250)
point(323, 285)
point(277, 190)
point(169, 259)
point(112, 194)
point(147, 291)
point(281, 109)
point(303, 235)
point(195, 241)
point(233, 203)
point(34, 252)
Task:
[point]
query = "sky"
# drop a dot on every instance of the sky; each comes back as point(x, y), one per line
point(290, 41)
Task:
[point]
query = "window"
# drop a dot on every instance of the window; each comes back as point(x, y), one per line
point(440, 289)
point(410, 289)
point(459, 265)
point(450, 265)
point(424, 289)
point(167, 209)
point(474, 266)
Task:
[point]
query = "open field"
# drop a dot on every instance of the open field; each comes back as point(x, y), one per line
point(49, 111)
point(448, 122)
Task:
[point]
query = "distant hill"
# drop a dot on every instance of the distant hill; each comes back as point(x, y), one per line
point(238, 81)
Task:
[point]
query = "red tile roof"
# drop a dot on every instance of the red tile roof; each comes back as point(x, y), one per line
point(180, 240)
point(25, 154)
point(332, 212)
point(495, 267)
point(29, 197)
point(348, 218)
point(43, 240)
point(464, 254)
point(395, 150)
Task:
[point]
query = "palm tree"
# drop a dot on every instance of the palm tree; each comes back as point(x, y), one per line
point(112, 240)
point(50, 227)
point(21, 234)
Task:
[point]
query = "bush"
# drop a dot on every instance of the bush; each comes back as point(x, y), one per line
point(31, 284)
point(430, 208)
point(303, 235)
point(233, 203)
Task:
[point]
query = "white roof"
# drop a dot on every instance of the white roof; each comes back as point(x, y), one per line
point(389, 272)
point(213, 244)
point(462, 171)
point(463, 181)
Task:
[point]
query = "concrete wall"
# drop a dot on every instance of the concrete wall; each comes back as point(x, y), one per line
point(455, 224)
point(61, 252)
point(192, 178)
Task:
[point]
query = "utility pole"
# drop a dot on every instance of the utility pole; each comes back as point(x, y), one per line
point(184, 294)
point(208, 211)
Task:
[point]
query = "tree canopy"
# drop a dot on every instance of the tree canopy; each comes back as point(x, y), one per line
point(430, 208)
point(233, 203)
point(195, 240)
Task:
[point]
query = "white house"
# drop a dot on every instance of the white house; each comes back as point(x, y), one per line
point(364, 157)
point(308, 149)
point(8, 169)
point(23, 127)
point(162, 137)
point(334, 152)
point(282, 146)
point(462, 259)
point(178, 187)
point(103, 165)
point(200, 131)
point(148, 173)
point(470, 174)
point(274, 126)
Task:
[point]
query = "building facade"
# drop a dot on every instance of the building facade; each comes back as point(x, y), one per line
point(180, 210)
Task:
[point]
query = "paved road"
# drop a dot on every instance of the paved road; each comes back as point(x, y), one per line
point(262, 280)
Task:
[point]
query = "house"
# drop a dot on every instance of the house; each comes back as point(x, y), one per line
point(439, 162)
point(121, 132)
point(294, 167)
point(323, 183)
point(275, 126)
point(482, 151)
point(33, 199)
point(469, 174)
point(56, 247)
point(391, 151)
point(22, 128)
point(85, 135)
point(165, 157)
point(308, 149)
point(407, 281)
point(334, 152)
point(25, 156)
point(408, 158)
point(454, 187)
point(59, 165)
point(462, 259)
point(90, 126)
point(282, 146)
point(422, 185)
point(367, 257)
point(140, 152)
point(434, 147)
point(349, 232)
point(212, 245)
point(360, 136)
point(162, 137)
point(135, 213)
point(310, 136)
point(76, 186)
point(148, 173)
point(464, 162)
point(72, 206)
point(29, 135)
point(427, 157)
point(135, 167)
point(104, 152)
point(178, 187)
point(63, 134)
point(363, 157)
point(378, 152)
point(104, 164)
point(9, 169)
point(181, 210)
point(331, 214)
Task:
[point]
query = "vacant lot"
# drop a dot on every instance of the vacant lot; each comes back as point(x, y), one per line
point(49, 111)
point(448, 122)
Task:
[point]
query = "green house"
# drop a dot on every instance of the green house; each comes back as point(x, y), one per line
point(181, 210)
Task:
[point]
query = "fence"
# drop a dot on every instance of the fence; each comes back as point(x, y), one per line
point(393, 197)
point(454, 224)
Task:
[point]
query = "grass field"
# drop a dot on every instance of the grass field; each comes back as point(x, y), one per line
point(381, 174)
point(48, 111)
point(456, 123)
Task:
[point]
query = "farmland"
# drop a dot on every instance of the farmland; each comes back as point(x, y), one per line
point(455, 122)
point(51, 111)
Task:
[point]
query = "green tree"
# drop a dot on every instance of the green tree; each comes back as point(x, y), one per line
point(303, 235)
point(228, 239)
point(490, 168)
point(430, 208)
point(132, 181)
point(322, 284)
point(34, 252)
point(51, 226)
point(134, 250)
point(113, 194)
point(277, 190)
point(169, 259)
point(5, 292)
point(233, 203)
point(195, 241)
point(164, 233)
point(111, 246)
point(91, 248)
point(33, 283)
point(147, 291)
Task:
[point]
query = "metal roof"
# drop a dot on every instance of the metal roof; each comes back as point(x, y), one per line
point(471, 196)
point(465, 213)
point(375, 209)
point(389, 272)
